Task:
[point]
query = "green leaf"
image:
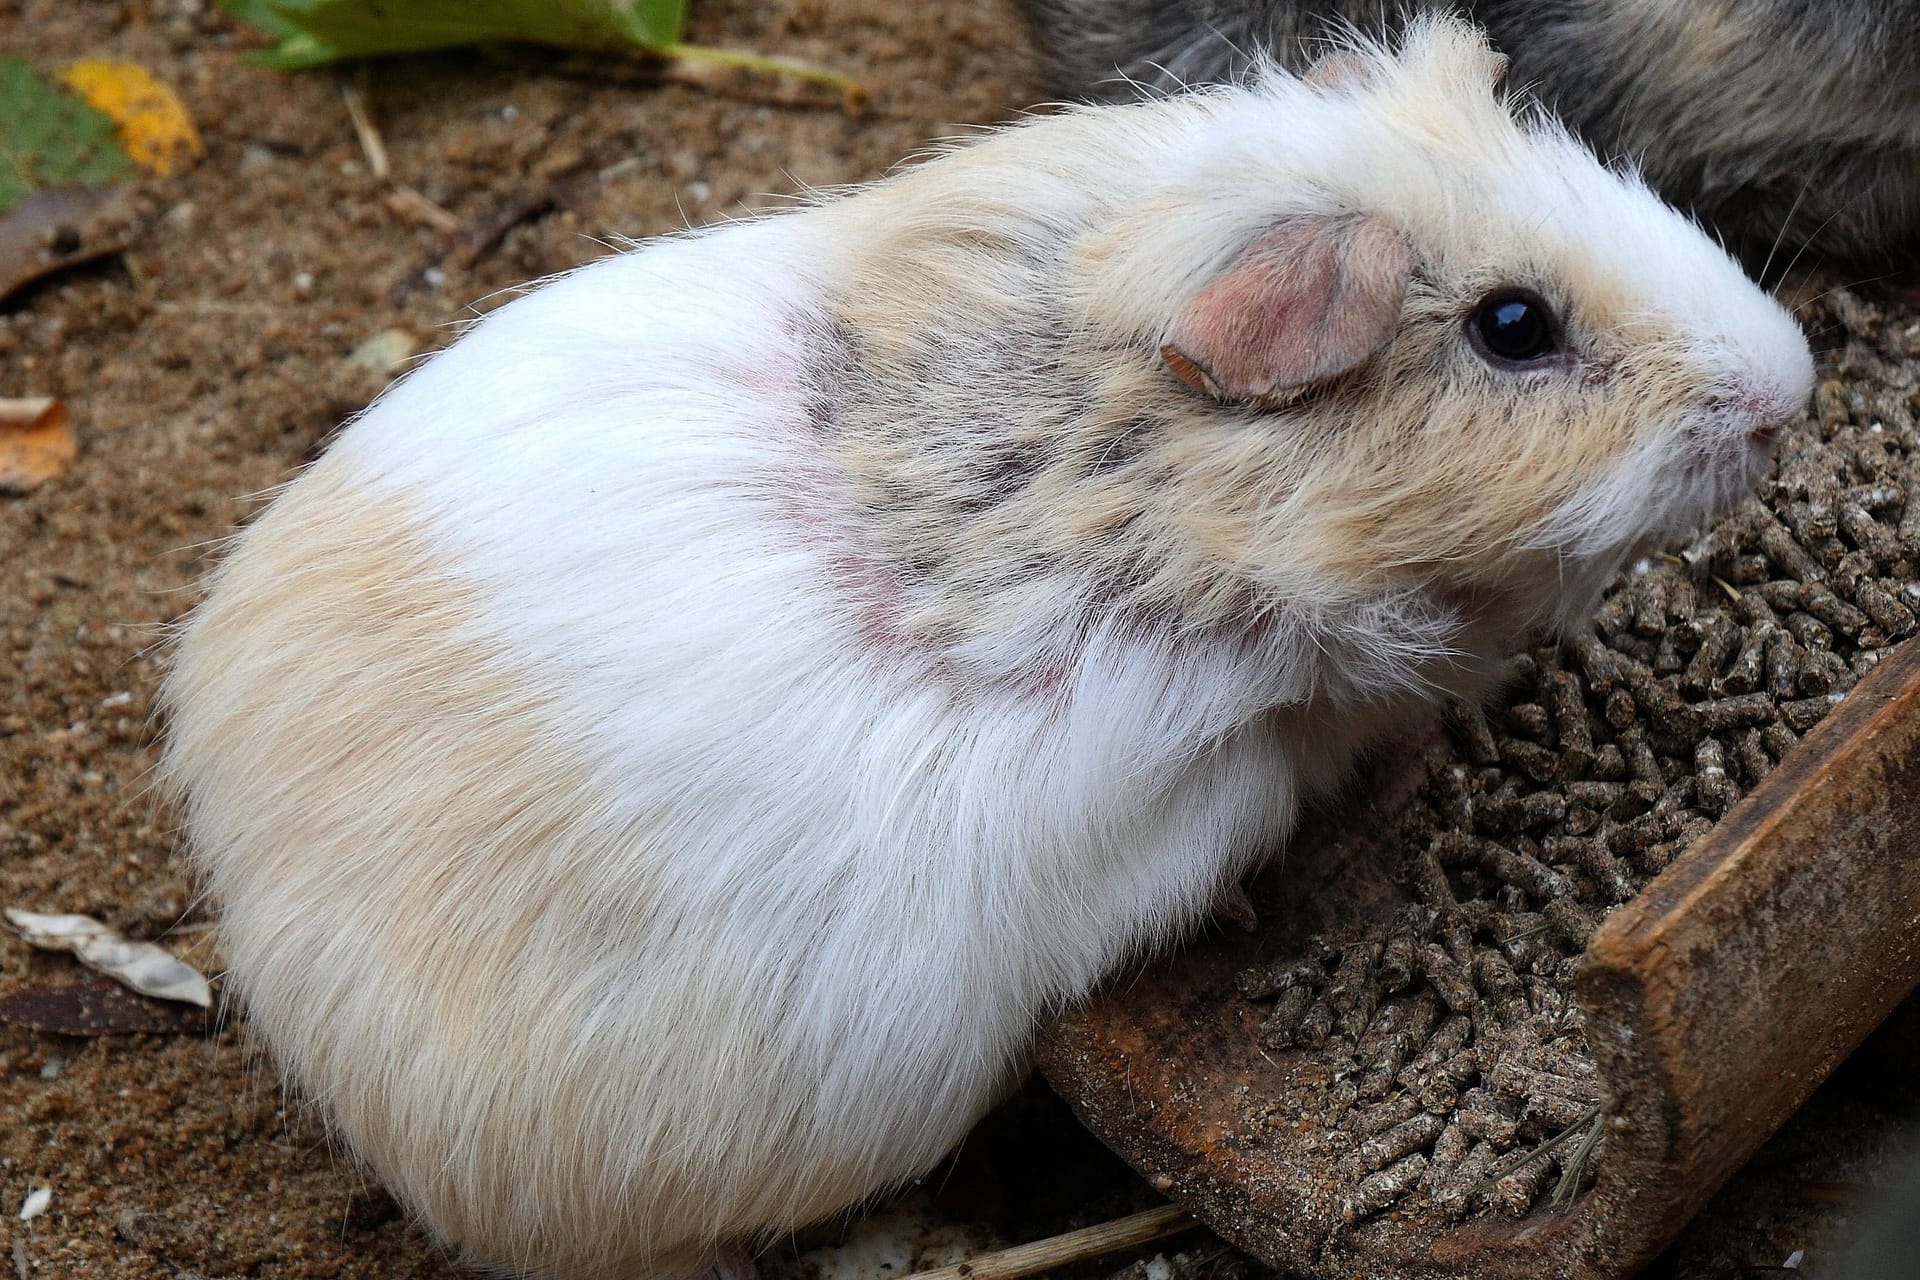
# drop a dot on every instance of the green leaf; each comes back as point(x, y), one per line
point(311, 32)
point(50, 137)
point(259, 13)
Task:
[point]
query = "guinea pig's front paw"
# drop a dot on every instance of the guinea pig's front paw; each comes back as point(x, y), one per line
point(1233, 905)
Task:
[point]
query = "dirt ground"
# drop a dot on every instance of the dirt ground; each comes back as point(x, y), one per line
point(214, 359)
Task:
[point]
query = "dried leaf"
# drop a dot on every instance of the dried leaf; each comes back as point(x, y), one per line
point(59, 228)
point(50, 137)
point(142, 966)
point(99, 1009)
point(154, 128)
point(36, 443)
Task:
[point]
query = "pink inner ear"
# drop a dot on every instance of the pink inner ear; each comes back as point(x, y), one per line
point(1308, 300)
point(1340, 69)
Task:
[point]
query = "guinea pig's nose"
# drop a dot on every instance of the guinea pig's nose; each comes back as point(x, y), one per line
point(1764, 410)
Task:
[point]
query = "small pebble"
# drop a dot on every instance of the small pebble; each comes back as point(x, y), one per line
point(36, 1203)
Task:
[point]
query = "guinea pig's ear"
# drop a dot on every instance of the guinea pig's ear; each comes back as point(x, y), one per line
point(1308, 300)
point(1340, 69)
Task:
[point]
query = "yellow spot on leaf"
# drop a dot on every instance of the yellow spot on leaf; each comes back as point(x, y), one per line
point(154, 128)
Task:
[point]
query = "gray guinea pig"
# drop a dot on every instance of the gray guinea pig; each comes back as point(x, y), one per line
point(1775, 122)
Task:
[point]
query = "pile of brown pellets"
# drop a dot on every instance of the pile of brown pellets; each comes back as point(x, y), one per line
point(1459, 1076)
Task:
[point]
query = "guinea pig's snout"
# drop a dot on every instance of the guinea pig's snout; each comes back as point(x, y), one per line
point(1760, 407)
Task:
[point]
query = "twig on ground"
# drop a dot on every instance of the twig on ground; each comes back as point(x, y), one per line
point(375, 147)
point(409, 203)
point(689, 61)
point(1074, 1246)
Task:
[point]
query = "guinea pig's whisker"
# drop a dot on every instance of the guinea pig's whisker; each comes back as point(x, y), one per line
point(1175, 82)
point(1248, 58)
point(1808, 240)
point(1851, 284)
point(1781, 234)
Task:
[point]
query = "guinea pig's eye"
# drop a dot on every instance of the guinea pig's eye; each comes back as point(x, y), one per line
point(1514, 326)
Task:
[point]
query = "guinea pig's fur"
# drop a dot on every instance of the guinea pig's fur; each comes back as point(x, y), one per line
point(661, 764)
point(1792, 122)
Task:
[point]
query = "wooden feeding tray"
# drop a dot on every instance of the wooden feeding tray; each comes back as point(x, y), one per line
point(1712, 1004)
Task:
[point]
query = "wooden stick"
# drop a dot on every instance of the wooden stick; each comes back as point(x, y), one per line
point(1074, 1246)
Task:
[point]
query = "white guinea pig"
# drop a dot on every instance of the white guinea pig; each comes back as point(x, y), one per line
point(661, 764)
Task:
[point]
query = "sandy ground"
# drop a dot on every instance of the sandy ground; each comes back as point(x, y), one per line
point(215, 359)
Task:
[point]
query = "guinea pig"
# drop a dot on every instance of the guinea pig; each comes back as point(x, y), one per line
point(660, 765)
point(1792, 122)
